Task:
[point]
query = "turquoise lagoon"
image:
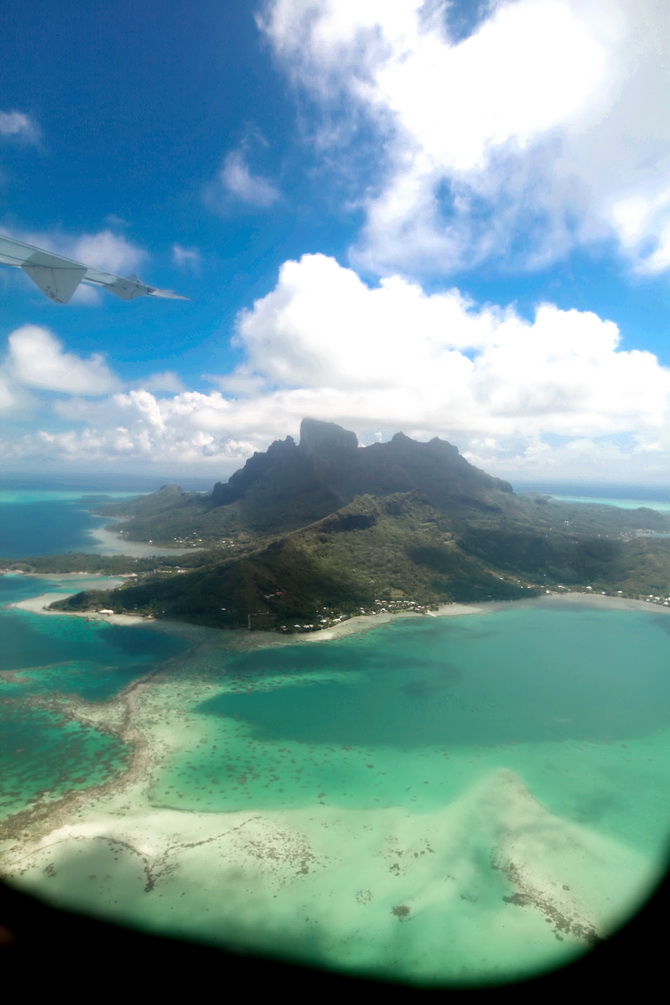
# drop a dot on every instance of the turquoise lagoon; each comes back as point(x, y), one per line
point(456, 800)
point(659, 505)
point(50, 522)
point(47, 664)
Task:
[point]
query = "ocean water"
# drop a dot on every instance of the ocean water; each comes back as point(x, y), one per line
point(662, 506)
point(55, 521)
point(626, 496)
point(411, 713)
point(46, 752)
point(47, 666)
point(49, 522)
point(455, 800)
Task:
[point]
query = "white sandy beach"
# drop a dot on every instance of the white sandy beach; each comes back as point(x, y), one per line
point(110, 543)
point(240, 638)
point(40, 605)
point(366, 622)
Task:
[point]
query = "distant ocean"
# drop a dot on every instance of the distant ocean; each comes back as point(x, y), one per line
point(49, 517)
point(454, 799)
point(42, 658)
point(624, 496)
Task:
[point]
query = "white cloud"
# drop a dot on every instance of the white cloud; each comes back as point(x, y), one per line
point(323, 326)
point(19, 126)
point(443, 365)
point(167, 381)
point(516, 395)
point(116, 221)
point(186, 258)
point(235, 183)
point(10, 395)
point(546, 127)
point(106, 250)
point(36, 359)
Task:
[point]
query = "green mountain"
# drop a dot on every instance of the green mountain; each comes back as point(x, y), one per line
point(291, 485)
point(306, 533)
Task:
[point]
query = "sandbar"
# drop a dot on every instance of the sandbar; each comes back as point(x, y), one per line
point(492, 885)
point(110, 543)
point(40, 605)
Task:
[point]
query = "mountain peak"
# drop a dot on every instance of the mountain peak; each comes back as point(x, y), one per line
point(317, 437)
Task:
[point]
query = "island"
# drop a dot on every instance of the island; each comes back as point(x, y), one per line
point(308, 534)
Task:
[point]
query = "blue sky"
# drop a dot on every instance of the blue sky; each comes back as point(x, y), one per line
point(447, 218)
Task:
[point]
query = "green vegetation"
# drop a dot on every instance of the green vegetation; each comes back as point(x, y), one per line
point(306, 535)
point(105, 565)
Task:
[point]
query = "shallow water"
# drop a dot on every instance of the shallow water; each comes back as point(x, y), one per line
point(578, 713)
point(49, 523)
point(45, 664)
point(374, 803)
point(53, 522)
point(443, 813)
point(659, 505)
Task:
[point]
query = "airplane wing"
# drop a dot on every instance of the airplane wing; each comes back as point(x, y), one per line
point(58, 277)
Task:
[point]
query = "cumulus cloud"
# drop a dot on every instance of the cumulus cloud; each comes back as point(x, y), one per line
point(322, 326)
point(107, 250)
point(235, 183)
point(543, 128)
point(19, 126)
point(167, 381)
point(445, 365)
point(36, 359)
point(10, 395)
point(557, 393)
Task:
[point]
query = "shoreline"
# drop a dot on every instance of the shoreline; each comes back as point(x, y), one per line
point(362, 623)
point(40, 605)
point(366, 622)
point(241, 638)
point(108, 542)
point(195, 634)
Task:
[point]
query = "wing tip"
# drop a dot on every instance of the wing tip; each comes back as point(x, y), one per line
point(58, 277)
point(167, 295)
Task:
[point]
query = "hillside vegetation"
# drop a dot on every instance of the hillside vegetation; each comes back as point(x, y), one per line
point(308, 533)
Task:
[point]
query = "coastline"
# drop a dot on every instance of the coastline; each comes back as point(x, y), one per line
point(362, 623)
point(40, 605)
point(195, 634)
point(241, 638)
point(366, 622)
point(107, 542)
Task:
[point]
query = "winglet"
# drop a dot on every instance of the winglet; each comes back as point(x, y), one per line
point(58, 277)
